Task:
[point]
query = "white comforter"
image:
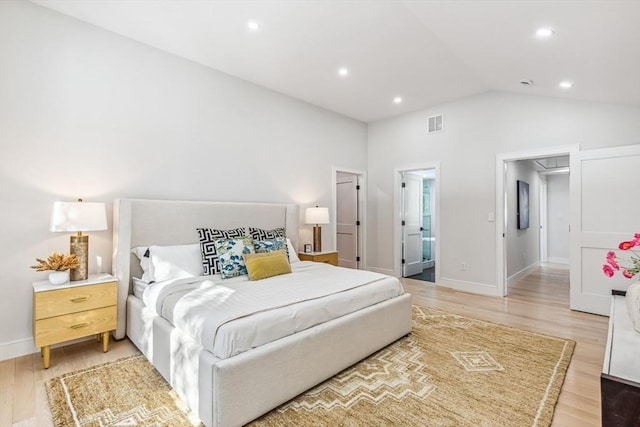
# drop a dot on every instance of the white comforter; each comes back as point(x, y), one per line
point(230, 316)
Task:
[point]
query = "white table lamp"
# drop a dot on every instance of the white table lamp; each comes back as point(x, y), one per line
point(78, 217)
point(317, 216)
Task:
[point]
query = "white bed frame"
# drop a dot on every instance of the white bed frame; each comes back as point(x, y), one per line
point(234, 391)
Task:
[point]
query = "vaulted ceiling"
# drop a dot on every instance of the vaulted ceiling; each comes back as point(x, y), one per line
point(424, 52)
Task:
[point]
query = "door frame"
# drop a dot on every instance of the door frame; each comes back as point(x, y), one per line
point(362, 211)
point(397, 212)
point(544, 218)
point(501, 200)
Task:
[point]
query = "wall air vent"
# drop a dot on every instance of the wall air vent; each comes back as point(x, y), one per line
point(436, 123)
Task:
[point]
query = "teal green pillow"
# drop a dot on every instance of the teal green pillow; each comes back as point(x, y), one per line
point(230, 253)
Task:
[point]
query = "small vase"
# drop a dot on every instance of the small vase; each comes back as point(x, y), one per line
point(59, 277)
point(633, 304)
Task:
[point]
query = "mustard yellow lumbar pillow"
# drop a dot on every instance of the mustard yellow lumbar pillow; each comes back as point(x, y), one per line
point(263, 265)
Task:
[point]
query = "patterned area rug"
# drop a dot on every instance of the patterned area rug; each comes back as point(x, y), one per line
point(451, 371)
point(127, 392)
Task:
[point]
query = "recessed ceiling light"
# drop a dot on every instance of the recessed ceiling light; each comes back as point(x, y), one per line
point(343, 72)
point(544, 33)
point(253, 25)
point(566, 84)
point(397, 100)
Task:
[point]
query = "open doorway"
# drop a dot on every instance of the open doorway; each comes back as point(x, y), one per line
point(418, 207)
point(523, 246)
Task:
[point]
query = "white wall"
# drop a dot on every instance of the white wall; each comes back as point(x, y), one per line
point(558, 218)
point(522, 245)
point(87, 113)
point(476, 130)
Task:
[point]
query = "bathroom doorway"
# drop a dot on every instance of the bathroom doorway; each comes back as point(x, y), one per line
point(418, 206)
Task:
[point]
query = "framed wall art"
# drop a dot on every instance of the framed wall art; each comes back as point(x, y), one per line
point(523, 205)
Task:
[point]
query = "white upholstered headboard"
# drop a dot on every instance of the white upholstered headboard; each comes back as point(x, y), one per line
point(138, 222)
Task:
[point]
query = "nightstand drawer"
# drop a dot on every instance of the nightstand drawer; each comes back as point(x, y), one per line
point(70, 326)
point(74, 300)
point(326, 257)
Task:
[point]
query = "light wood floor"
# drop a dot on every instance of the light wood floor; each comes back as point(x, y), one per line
point(538, 303)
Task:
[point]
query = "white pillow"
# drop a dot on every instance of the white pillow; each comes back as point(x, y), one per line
point(139, 286)
point(293, 256)
point(175, 262)
point(140, 252)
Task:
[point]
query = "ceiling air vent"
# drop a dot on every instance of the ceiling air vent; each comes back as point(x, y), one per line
point(436, 123)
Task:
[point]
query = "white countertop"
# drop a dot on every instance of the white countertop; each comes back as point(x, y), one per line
point(93, 279)
point(319, 253)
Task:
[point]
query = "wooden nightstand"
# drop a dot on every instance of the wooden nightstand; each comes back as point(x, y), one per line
point(328, 257)
point(73, 310)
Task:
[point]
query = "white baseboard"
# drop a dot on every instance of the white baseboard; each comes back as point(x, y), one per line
point(558, 260)
point(23, 347)
point(12, 349)
point(387, 271)
point(471, 287)
point(522, 273)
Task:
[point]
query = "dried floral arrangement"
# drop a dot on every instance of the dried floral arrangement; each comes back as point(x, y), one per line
point(57, 262)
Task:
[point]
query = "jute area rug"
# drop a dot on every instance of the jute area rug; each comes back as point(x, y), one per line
point(451, 371)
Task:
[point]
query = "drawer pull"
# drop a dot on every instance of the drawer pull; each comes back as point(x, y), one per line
point(79, 299)
point(80, 325)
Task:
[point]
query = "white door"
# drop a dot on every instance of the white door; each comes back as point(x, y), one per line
point(543, 218)
point(605, 211)
point(347, 219)
point(411, 224)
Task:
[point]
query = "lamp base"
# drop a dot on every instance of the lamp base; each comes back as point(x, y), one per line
point(317, 238)
point(79, 246)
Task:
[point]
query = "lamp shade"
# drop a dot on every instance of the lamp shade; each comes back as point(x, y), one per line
point(316, 215)
point(78, 216)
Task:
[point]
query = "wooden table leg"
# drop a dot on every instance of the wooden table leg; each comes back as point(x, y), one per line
point(105, 341)
point(46, 353)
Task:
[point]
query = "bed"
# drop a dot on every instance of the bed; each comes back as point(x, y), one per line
point(234, 384)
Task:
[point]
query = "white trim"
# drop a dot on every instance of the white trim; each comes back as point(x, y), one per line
point(522, 274)
point(25, 346)
point(17, 348)
point(501, 218)
point(558, 260)
point(465, 286)
point(362, 210)
point(397, 211)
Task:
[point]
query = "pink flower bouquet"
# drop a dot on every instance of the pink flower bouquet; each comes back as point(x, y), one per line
point(629, 266)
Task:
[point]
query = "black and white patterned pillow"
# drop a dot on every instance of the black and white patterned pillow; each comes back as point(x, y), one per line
point(208, 237)
point(261, 234)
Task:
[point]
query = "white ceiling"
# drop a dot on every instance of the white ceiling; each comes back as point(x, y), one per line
point(427, 52)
